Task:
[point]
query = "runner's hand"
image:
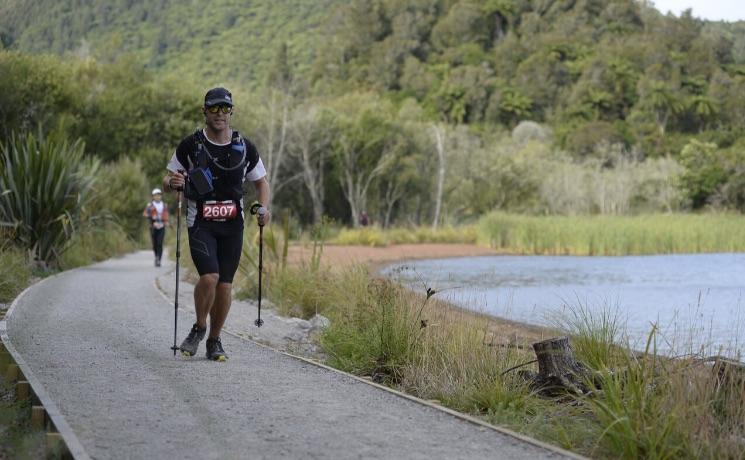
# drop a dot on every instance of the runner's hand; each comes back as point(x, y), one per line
point(263, 219)
point(177, 180)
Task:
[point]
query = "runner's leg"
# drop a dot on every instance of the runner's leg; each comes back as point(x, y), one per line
point(203, 248)
point(204, 297)
point(154, 240)
point(229, 248)
point(158, 242)
point(220, 308)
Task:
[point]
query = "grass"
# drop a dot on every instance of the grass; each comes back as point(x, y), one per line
point(613, 235)
point(376, 236)
point(573, 235)
point(17, 439)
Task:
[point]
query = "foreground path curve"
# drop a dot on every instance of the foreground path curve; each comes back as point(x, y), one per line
point(98, 339)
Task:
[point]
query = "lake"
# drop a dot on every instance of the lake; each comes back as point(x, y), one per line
point(695, 299)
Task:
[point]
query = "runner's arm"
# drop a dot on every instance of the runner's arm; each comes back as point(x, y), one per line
point(176, 177)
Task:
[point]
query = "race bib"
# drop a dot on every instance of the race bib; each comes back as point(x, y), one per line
point(219, 211)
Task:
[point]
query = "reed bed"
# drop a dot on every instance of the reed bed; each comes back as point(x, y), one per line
point(613, 235)
point(376, 236)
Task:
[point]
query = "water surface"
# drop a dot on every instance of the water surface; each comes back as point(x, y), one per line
point(695, 300)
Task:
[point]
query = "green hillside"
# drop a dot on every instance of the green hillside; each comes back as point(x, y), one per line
point(221, 41)
point(538, 106)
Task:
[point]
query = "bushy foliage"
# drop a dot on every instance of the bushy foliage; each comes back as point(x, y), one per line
point(122, 191)
point(116, 109)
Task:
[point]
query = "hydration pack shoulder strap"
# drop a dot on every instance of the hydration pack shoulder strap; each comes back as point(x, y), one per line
point(205, 159)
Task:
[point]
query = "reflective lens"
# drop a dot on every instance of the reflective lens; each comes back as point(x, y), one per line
point(220, 108)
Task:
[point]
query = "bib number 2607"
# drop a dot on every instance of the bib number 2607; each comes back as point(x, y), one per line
point(219, 211)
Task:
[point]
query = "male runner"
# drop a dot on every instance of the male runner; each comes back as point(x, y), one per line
point(210, 166)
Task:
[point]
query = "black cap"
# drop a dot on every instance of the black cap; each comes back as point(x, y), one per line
point(218, 96)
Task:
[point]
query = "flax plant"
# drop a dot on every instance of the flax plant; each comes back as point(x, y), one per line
point(45, 183)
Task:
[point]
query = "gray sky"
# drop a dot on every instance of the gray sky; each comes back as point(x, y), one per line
point(715, 10)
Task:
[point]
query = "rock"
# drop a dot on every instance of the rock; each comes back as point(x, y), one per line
point(320, 322)
point(299, 323)
point(295, 336)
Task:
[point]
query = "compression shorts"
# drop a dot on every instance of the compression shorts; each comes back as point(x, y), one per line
point(216, 247)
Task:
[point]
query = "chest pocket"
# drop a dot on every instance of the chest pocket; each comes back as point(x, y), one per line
point(226, 173)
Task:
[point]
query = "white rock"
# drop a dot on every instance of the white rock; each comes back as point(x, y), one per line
point(320, 322)
point(295, 336)
point(300, 323)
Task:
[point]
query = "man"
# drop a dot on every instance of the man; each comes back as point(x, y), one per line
point(157, 213)
point(218, 160)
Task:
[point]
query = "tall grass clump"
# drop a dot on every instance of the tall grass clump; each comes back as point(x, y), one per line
point(652, 406)
point(45, 182)
point(372, 333)
point(377, 237)
point(295, 291)
point(613, 235)
point(15, 272)
point(300, 290)
point(595, 334)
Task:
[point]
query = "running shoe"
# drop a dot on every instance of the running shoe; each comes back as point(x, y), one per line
point(191, 342)
point(214, 350)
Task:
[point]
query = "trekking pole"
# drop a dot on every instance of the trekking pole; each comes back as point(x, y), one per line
point(178, 258)
point(257, 208)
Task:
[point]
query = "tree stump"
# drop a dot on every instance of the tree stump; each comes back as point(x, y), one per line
point(559, 373)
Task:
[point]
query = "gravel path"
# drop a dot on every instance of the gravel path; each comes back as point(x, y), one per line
point(98, 339)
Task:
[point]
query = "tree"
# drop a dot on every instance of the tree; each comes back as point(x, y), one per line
point(362, 148)
point(274, 116)
point(663, 103)
point(310, 137)
point(705, 171)
point(704, 108)
point(438, 132)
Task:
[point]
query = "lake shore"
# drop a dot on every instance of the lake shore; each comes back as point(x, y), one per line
point(503, 331)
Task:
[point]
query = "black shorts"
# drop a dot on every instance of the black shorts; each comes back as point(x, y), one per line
point(216, 247)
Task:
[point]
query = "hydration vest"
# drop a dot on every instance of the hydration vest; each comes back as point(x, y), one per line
point(227, 179)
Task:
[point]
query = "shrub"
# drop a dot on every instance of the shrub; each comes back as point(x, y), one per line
point(95, 242)
point(46, 184)
point(123, 191)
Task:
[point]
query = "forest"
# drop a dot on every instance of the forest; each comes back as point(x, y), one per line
point(423, 112)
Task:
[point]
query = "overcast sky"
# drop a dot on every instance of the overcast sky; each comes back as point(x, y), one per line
point(715, 10)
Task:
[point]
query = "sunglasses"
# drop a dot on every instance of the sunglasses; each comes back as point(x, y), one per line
point(220, 108)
